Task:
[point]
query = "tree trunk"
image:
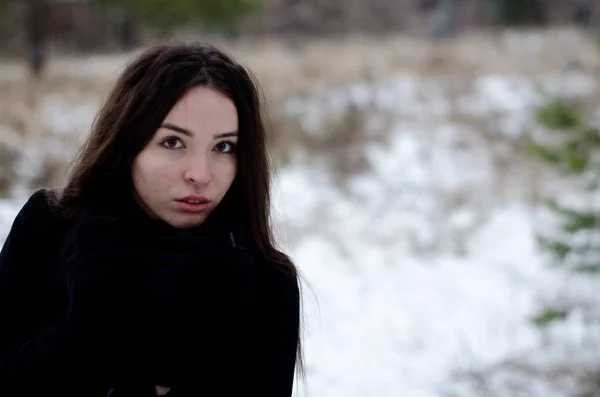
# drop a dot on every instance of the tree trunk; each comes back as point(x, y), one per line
point(35, 30)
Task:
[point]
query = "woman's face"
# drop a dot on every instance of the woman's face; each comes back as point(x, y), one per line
point(183, 173)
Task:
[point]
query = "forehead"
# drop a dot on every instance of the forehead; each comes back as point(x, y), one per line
point(204, 108)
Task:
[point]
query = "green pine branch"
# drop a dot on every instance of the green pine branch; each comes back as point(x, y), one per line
point(168, 14)
point(575, 220)
point(572, 158)
point(549, 315)
point(559, 249)
point(557, 115)
point(591, 269)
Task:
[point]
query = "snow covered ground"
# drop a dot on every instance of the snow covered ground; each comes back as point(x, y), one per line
point(8, 211)
point(407, 289)
point(425, 263)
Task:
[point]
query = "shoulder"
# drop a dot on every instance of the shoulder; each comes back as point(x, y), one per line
point(124, 220)
point(96, 218)
point(39, 205)
point(280, 305)
point(280, 277)
point(39, 212)
point(99, 232)
point(106, 232)
point(35, 236)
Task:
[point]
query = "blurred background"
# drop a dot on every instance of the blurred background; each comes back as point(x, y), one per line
point(438, 170)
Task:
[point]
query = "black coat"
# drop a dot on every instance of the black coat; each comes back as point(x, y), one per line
point(113, 302)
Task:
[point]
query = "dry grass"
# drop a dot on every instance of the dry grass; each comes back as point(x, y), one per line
point(304, 68)
point(521, 377)
point(288, 68)
point(8, 159)
point(339, 144)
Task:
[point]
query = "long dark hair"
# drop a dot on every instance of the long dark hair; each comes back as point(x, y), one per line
point(140, 100)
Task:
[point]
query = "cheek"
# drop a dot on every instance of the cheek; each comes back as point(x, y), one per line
point(227, 173)
point(150, 175)
point(136, 173)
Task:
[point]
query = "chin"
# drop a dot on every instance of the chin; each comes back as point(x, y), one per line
point(185, 222)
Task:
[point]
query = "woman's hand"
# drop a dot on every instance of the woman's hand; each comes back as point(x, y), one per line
point(161, 391)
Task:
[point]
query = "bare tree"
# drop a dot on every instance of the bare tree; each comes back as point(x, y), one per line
point(35, 27)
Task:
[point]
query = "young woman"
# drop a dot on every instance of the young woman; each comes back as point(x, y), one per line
point(153, 271)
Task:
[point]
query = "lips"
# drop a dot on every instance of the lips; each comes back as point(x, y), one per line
point(194, 200)
point(193, 204)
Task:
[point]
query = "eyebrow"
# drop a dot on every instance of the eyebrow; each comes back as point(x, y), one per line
point(189, 133)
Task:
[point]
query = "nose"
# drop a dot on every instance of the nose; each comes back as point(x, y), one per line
point(198, 170)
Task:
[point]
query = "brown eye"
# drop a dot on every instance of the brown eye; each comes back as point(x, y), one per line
point(225, 147)
point(172, 143)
